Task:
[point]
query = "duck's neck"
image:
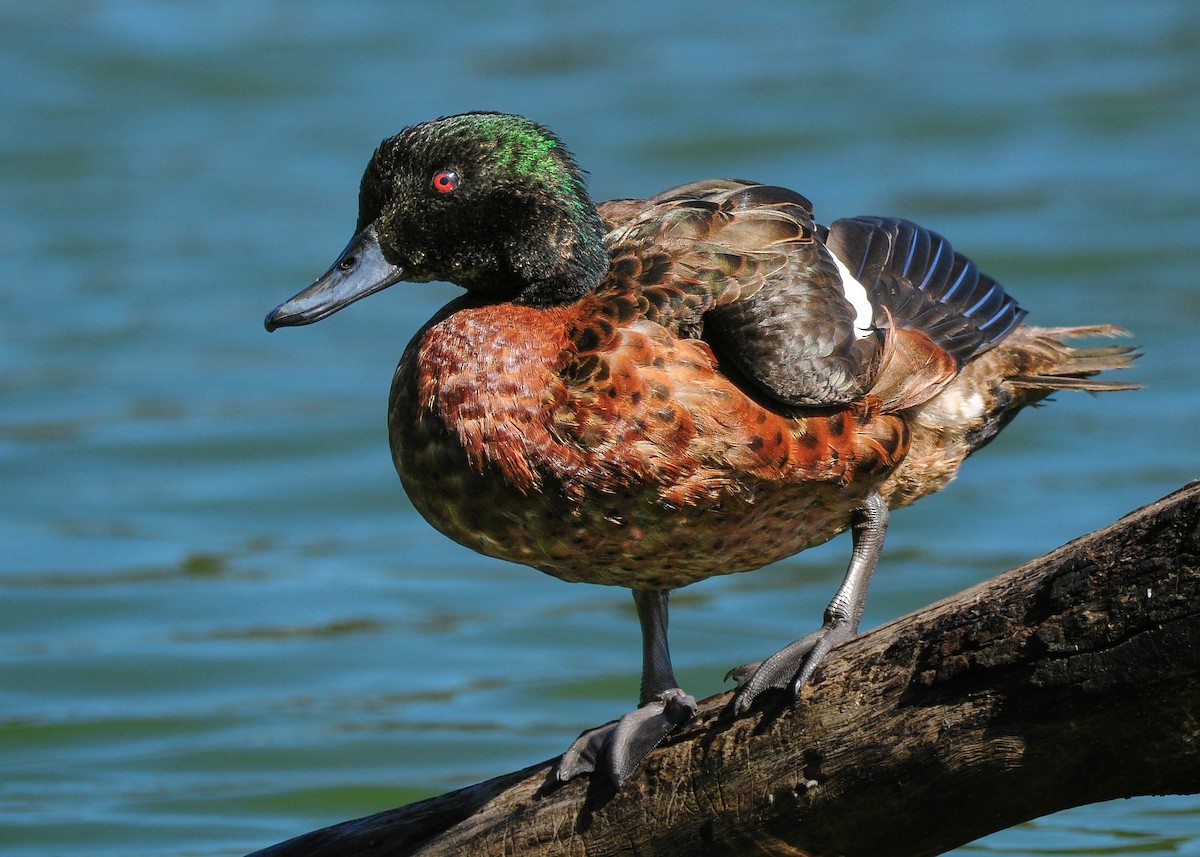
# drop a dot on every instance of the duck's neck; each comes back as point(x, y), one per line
point(563, 259)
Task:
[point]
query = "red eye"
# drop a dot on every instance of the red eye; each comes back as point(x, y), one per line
point(444, 181)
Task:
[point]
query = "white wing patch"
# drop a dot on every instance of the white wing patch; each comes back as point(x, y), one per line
point(856, 294)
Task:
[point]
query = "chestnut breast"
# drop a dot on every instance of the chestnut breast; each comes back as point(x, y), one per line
point(593, 444)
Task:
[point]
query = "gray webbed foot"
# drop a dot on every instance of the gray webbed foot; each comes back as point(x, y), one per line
point(788, 669)
point(617, 749)
point(792, 666)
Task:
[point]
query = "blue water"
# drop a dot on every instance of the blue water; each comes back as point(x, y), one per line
point(222, 623)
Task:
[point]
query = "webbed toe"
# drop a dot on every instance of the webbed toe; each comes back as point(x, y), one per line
point(617, 749)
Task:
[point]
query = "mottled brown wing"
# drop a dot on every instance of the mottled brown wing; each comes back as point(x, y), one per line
point(738, 264)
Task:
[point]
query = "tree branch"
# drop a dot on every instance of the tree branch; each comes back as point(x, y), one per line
point(1072, 679)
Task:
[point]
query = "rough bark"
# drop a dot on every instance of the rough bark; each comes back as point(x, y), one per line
point(1072, 679)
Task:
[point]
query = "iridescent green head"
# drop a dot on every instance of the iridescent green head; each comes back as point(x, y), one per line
point(490, 201)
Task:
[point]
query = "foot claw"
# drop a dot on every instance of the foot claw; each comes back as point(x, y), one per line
point(620, 747)
point(742, 674)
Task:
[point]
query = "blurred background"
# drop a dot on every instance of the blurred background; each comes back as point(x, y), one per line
point(221, 622)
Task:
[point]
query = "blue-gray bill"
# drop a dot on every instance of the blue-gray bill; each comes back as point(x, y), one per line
point(359, 271)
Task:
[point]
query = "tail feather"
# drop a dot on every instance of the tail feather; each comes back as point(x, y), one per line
point(1054, 381)
point(1023, 369)
point(1058, 366)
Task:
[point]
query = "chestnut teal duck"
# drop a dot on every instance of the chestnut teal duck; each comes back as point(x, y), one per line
point(649, 392)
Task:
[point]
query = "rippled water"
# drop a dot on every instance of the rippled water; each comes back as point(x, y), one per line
point(221, 622)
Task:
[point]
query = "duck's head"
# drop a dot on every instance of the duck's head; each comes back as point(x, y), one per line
point(489, 201)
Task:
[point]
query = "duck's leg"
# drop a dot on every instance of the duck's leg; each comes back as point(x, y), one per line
point(792, 666)
point(618, 748)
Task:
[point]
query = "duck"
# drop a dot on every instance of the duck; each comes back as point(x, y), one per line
point(645, 393)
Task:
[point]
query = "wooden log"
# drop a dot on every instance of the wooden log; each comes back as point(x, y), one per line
point(1072, 679)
